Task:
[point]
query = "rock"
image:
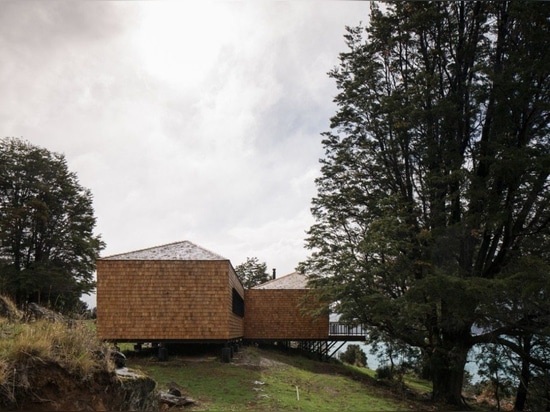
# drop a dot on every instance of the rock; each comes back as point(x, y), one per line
point(174, 385)
point(36, 312)
point(126, 373)
point(139, 393)
point(166, 397)
point(174, 392)
point(118, 358)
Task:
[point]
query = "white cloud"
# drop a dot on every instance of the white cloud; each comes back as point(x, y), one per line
point(279, 242)
point(187, 120)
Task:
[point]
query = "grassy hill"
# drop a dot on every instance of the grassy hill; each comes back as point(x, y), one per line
point(56, 363)
point(267, 380)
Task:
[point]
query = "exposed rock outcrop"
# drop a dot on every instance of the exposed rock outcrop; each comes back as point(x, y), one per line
point(53, 363)
point(35, 312)
point(138, 393)
point(49, 387)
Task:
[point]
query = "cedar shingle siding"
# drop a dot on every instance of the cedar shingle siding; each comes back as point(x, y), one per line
point(181, 292)
point(276, 314)
point(155, 300)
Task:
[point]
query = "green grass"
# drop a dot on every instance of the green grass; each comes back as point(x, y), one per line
point(126, 347)
point(292, 388)
point(264, 380)
point(418, 384)
point(358, 370)
point(215, 385)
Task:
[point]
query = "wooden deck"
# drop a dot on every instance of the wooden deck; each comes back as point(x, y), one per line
point(324, 348)
point(346, 332)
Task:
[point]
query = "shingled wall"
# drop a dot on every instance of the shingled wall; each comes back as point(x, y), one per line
point(273, 314)
point(167, 300)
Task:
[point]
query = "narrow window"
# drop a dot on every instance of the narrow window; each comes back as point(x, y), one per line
point(238, 304)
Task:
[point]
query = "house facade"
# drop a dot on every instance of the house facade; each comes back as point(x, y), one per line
point(178, 292)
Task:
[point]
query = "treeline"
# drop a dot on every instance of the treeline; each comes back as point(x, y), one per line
point(432, 213)
point(47, 244)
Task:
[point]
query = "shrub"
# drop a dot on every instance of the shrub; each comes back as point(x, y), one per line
point(354, 355)
point(28, 342)
point(384, 372)
point(76, 347)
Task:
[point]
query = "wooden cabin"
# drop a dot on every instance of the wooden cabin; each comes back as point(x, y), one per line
point(279, 310)
point(178, 292)
point(183, 293)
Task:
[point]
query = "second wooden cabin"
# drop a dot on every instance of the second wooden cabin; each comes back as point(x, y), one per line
point(278, 310)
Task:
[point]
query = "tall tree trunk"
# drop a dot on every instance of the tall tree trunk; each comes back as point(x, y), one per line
point(521, 394)
point(448, 374)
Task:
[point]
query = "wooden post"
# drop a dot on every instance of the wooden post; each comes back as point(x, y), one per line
point(226, 354)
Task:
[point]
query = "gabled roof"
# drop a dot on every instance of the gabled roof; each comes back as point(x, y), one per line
point(173, 251)
point(293, 280)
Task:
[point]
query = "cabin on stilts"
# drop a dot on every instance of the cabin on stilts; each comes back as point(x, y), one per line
point(178, 292)
point(183, 293)
point(282, 311)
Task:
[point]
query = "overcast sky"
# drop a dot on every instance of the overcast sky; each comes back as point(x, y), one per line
point(188, 120)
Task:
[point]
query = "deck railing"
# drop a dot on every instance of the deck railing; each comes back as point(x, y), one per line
point(345, 329)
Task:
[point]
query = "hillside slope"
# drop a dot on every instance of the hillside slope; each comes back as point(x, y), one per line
point(268, 380)
point(52, 363)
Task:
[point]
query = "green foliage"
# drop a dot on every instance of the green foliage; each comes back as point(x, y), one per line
point(514, 363)
point(432, 208)
point(252, 272)
point(47, 245)
point(384, 372)
point(492, 364)
point(354, 355)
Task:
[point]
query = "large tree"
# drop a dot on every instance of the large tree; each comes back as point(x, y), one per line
point(47, 245)
point(433, 204)
point(252, 272)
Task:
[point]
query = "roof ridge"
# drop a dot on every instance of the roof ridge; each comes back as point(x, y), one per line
point(144, 249)
point(279, 280)
point(159, 247)
point(203, 248)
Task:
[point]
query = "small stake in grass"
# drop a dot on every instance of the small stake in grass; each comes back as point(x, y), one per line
point(297, 394)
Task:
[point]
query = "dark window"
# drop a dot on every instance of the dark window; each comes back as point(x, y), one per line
point(238, 304)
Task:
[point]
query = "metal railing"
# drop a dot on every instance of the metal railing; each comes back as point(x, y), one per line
point(345, 329)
